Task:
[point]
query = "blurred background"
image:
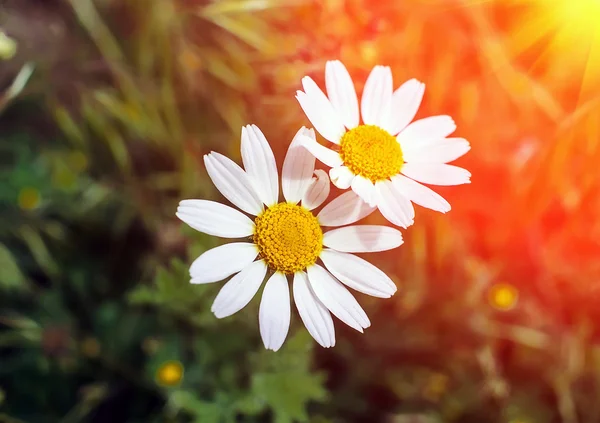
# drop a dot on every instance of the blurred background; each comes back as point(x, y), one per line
point(106, 109)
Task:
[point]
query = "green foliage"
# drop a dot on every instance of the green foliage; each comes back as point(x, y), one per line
point(11, 276)
point(284, 390)
point(284, 381)
point(202, 411)
point(172, 292)
point(225, 353)
point(95, 296)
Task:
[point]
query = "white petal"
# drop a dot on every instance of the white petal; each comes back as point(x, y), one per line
point(318, 191)
point(337, 298)
point(313, 313)
point(365, 189)
point(358, 274)
point(394, 206)
point(420, 194)
point(376, 100)
point(341, 177)
point(425, 130)
point(341, 92)
point(240, 289)
point(221, 262)
point(275, 312)
point(441, 151)
point(298, 168)
point(232, 182)
point(214, 218)
point(437, 174)
point(319, 111)
point(323, 154)
point(343, 210)
point(363, 239)
point(405, 104)
point(259, 163)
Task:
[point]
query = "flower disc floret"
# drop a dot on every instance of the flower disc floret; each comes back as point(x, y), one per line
point(289, 237)
point(372, 152)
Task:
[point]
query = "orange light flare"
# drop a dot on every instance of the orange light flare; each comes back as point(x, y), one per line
point(522, 80)
point(557, 42)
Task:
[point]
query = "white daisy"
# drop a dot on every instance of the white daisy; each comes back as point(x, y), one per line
point(386, 157)
point(286, 239)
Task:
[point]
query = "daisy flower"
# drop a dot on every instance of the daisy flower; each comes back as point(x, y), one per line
point(386, 158)
point(287, 239)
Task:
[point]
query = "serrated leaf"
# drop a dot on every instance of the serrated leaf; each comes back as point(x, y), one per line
point(173, 293)
point(250, 405)
point(284, 380)
point(141, 295)
point(203, 411)
point(288, 393)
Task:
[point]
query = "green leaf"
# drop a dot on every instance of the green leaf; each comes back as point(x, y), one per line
point(142, 295)
point(284, 380)
point(173, 293)
point(39, 249)
point(203, 411)
point(250, 405)
point(11, 277)
point(288, 393)
point(120, 330)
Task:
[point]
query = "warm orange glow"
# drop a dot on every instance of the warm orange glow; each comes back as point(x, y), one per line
point(565, 18)
point(582, 14)
point(522, 80)
point(567, 36)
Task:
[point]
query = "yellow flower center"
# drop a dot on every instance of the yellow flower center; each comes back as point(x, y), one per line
point(372, 152)
point(288, 237)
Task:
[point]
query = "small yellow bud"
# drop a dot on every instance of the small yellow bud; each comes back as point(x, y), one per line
point(169, 374)
point(29, 198)
point(503, 296)
point(8, 47)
